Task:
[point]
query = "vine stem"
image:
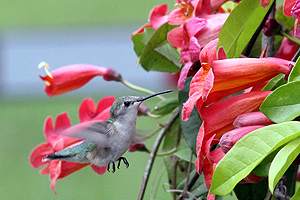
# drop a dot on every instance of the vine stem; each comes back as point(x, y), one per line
point(269, 40)
point(138, 88)
point(152, 156)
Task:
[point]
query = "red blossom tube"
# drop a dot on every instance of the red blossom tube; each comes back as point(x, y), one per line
point(72, 77)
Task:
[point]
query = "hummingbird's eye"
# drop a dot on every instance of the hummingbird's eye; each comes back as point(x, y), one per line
point(126, 103)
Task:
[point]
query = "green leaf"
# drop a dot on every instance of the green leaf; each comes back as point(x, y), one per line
point(248, 152)
point(295, 73)
point(140, 40)
point(240, 26)
point(185, 154)
point(262, 169)
point(155, 52)
point(296, 196)
point(286, 21)
point(165, 106)
point(275, 83)
point(282, 161)
point(191, 127)
point(171, 140)
point(283, 104)
point(251, 191)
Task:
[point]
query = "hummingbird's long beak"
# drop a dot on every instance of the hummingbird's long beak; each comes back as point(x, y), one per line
point(152, 95)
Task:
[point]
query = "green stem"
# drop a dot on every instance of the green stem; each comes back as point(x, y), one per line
point(150, 135)
point(290, 37)
point(138, 88)
point(167, 152)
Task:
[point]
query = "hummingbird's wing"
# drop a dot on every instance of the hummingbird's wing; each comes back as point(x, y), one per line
point(93, 131)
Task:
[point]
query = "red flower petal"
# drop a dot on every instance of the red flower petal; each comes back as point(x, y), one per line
point(62, 122)
point(55, 167)
point(287, 7)
point(99, 169)
point(68, 168)
point(175, 37)
point(39, 153)
point(158, 16)
point(264, 3)
point(88, 112)
point(183, 75)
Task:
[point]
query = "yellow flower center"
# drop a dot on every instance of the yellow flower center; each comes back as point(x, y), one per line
point(186, 8)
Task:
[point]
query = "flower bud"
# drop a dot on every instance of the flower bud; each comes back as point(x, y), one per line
point(251, 119)
point(143, 109)
point(271, 27)
point(138, 147)
point(231, 137)
point(112, 75)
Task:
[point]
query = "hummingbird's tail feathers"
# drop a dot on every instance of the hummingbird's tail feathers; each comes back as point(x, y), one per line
point(53, 156)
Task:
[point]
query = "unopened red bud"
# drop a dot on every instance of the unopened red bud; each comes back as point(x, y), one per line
point(251, 119)
point(112, 75)
point(271, 27)
point(143, 109)
point(138, 147)
point(231, 137)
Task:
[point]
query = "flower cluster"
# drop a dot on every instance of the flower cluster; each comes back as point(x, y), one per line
point(227, 92)
point(58, 169)
point(198, 26)
point(233, 117)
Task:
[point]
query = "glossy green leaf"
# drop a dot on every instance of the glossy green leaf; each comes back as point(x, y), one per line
point(165, 106)
point(191, 127)
point(240, 26)
point(155, 52)
point(296, 196)
point(275, 83)
point(140, 40)
point(262, 169)
point(282, 161)
point(295, 73)
point(248, 152)
point(283, 104)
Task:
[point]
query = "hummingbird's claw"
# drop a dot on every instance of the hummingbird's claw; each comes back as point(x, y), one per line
point(113, 166)
point(118, 166)
point(125, 162)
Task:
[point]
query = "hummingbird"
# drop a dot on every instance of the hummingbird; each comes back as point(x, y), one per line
point(104, 142)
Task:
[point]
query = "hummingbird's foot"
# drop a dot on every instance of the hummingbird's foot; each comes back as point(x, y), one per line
point(124, 160)
point(113, 166)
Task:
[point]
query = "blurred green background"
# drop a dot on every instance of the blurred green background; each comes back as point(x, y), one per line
point(22, 118)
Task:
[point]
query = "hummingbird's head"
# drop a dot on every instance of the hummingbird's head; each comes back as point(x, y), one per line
point(128, 105)
point(124, 105)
